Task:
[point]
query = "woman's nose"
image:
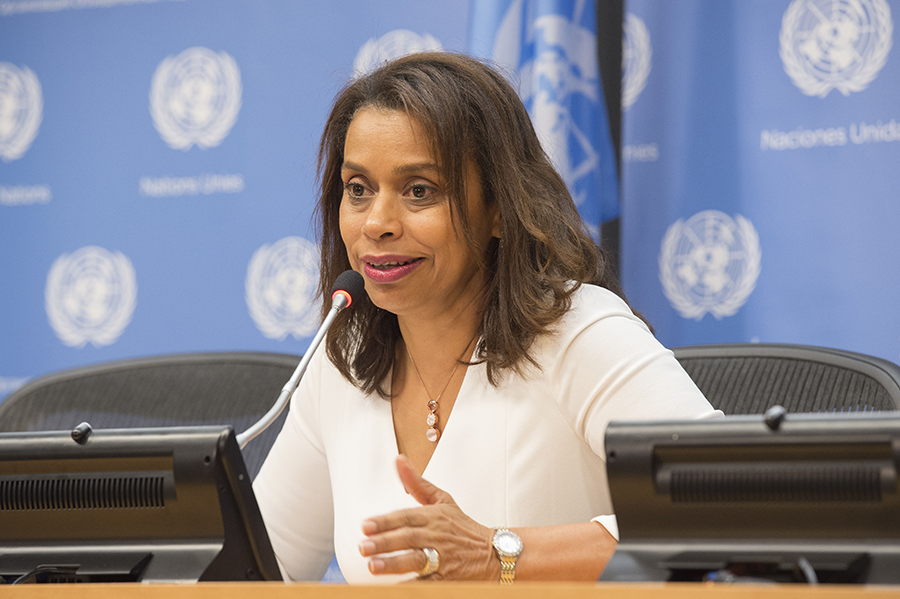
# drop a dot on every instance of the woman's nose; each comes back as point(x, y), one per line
point(383, 218)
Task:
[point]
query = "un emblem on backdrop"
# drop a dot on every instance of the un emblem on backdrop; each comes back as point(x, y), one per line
point(709, 264)
point(835, 44)
point(390, 46)
point(281, 288)
point(195, 98)
point(90, 296)
point(21, 108)
point(636, 55)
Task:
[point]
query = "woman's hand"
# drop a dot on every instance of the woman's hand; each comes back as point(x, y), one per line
point(464, 546)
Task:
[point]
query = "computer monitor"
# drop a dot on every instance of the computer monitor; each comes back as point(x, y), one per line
point(792, 498)
point(149, 505)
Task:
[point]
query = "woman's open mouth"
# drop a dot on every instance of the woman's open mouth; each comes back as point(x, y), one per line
point(390, 270)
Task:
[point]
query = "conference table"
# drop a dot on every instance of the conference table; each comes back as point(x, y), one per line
point(448, 590)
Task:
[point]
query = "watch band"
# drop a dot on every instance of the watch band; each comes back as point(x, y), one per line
point(507, 570)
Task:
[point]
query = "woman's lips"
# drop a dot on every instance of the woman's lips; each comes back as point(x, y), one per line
point(389, 269)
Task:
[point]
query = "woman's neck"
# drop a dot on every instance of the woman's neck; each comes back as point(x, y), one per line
point(441, 340)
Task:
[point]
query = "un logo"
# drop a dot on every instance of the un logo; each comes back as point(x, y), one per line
point(709, 264)
point(281, 288)
point(835, 44)
point(90, 296)
point(21, 106)
point(390, 46)
point(195, 98)
point(636, 55)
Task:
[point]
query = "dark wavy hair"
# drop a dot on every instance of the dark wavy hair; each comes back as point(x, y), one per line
point(467, 110)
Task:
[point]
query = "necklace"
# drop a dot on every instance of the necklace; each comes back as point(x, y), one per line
point(431, 420)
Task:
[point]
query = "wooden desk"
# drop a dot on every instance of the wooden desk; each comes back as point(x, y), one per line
point(447, 590)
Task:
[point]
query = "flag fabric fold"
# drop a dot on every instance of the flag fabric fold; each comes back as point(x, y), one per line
point(548, 49)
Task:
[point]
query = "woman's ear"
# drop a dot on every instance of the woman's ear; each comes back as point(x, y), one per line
point(495, 221)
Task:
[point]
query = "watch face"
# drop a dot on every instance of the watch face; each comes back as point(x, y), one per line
point(508, 543)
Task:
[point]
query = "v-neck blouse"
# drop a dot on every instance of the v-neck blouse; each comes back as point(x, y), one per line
point(528, 452)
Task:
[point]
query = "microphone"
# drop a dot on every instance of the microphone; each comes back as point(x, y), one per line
point(348, 286)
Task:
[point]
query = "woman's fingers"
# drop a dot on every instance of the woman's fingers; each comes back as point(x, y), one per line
point(463, 545)
point(410, 561)
point(394, 541)
point(414, 517)
point(422, 491)
point(397, 540)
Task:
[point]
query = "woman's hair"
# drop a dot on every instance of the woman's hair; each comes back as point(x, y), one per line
point(467, 111)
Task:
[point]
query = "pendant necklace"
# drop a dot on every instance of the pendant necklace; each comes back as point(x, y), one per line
point(431, 420)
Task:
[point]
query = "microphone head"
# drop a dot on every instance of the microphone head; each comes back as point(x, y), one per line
point(349, 284)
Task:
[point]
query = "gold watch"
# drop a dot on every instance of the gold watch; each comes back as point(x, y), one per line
point(509, 547)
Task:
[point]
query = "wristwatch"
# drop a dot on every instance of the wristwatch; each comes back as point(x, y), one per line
point(509, 547)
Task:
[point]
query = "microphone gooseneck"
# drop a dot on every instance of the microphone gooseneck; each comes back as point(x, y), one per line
point(349, 286)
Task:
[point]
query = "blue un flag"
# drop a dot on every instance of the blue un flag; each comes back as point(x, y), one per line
point(550, 48)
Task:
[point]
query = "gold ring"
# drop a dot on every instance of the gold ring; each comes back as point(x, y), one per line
point(434, 561)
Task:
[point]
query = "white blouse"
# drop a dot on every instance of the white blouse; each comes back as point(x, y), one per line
point(528, 452)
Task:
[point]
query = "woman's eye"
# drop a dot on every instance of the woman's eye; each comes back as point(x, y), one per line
point(355, 190)
point(421, 191)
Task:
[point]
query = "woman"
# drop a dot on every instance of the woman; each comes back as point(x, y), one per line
point(472, 389)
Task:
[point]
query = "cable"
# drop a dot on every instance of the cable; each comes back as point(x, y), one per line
point(64, 570)
point(807, 570)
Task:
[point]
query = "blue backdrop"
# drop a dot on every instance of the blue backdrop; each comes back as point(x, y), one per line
point(760, 185)
point(157, 163)
point(158, 168)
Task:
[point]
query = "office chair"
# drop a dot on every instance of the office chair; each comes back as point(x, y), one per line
point(749, 378)
point(234, 388)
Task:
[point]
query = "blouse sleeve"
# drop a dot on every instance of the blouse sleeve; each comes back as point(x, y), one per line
point(293, 487)
point(605, 364)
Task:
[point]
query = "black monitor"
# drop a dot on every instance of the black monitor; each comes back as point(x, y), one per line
point(779, 498)
point(149, 505)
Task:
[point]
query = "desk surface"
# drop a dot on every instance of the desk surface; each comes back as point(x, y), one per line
point(271, 590)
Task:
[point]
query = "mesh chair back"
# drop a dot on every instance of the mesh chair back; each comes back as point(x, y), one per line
point(234, 388)
point(750, 378)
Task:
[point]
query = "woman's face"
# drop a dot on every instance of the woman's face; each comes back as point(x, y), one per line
point(395, 219)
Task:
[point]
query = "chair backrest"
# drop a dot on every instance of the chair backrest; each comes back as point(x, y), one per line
point(234, 388)
point(749, 378)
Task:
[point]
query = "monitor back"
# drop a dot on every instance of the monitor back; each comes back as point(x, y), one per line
point(166, 504)
point(697, 497)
